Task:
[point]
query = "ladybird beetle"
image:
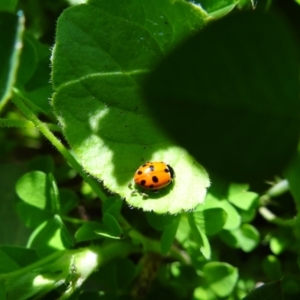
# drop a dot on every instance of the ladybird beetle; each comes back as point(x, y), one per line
point(154, 175)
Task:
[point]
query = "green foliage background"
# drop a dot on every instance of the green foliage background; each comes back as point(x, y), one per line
point(90, 91)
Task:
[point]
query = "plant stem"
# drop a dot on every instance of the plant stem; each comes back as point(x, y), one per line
point(72, 220)
point(269, 216)
point(278, 189)
point(59, 146)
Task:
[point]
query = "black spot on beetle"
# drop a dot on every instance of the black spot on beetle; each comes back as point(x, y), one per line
point(151, 168)
point(139, 172)
point(143, 182)
point(151, 186)
point(154, 179)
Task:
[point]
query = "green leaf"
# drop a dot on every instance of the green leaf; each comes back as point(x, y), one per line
point(205, 248)
point(38, 89)
point(12, 230)
point(159, 222)
point(268, 291)
point(244, 200)
point(229, 238)
point(98, 94)
point(54, 194)
point(22, 256)
point(69, 200)
point(76, 2)
point(7, 264)
point(237, 188)
point(211, 220)
point(88, 231)
point(28, 61)
point(31, 215)
point(235, 94)
point(272, 267)
point(201, 293)
point(96, 230)
point(12, 27)
point(199, 236)
point(113, 206)
point(13, 258)
point(233, 220)
point(217, 8)
point(221, 277)
point(168, 235)
point(246, 237)
point(112, 226)
point(214, 220)
point(247, 216)
point(50, 236)
point(278, 244)
point(183, 231)
point(39, 190)
point(125, 271)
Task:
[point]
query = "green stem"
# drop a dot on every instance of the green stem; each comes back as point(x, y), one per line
point(4, 122)
point(278, 189)
point(269, 216)
point(72, 220)
point(59, 146)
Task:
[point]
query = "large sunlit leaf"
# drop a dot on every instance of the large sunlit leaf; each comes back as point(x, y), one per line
point(103, 51)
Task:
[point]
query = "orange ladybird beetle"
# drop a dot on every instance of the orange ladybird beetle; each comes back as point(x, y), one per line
point(154, 175)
